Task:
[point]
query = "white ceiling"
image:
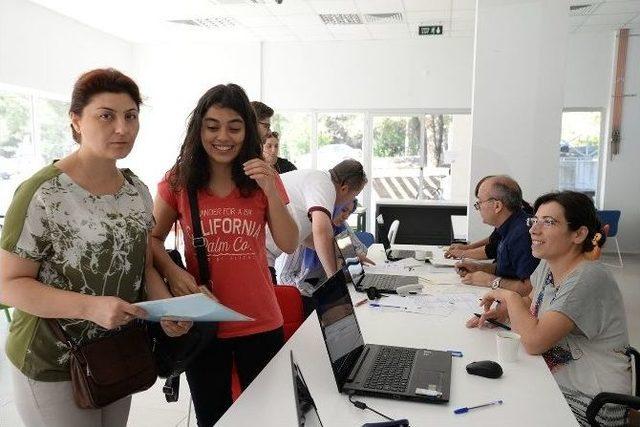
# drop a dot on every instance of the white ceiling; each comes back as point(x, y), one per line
point(298, 20)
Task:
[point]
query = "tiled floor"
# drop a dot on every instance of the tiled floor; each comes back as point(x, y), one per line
point(150, 410)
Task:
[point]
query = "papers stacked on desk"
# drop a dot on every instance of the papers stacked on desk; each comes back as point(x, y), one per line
point(195, 307)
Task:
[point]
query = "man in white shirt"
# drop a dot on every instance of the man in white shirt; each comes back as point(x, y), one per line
point(313, 195)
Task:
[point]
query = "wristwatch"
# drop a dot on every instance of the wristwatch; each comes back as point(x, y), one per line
point(495, 283)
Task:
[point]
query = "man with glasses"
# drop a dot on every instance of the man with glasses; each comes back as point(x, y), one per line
point(263, 114)
point(499, 202)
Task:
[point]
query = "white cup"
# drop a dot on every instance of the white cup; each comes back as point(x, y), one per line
point(508, 345)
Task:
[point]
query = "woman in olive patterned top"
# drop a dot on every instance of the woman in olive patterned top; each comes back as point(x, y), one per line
point(75, 247)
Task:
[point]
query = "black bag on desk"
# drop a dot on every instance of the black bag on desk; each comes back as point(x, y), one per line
point(174, 354)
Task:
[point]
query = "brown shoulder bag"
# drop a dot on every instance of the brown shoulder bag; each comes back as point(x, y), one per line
point(107, 369)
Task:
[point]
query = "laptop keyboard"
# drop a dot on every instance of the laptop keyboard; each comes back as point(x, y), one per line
point(392, 369)
point(382, 281)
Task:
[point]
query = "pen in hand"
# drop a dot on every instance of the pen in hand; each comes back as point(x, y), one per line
point(494, 322)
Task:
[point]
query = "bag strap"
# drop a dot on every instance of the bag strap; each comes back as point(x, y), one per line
point(198, 240)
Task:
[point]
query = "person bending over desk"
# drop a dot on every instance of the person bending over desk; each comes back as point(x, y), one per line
point(574, 317)
point(500, 204)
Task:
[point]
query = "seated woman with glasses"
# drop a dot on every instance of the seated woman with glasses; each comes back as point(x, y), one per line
point(574, 317)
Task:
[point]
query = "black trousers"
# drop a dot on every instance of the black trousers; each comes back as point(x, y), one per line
point(209, 375)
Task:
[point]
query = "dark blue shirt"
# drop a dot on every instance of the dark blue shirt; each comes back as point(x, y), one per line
point(513, 258)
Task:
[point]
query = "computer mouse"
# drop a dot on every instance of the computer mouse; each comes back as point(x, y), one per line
point(485, 368)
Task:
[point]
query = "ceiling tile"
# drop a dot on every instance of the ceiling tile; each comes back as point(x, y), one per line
point(305, 37)
point(464, 4)
point(430, 16)
point(379, 6)
point(577, 20)
point(258, 21)
point(612, 7)
point(247, 10)
point(463, 14)
point(464, 34)
point(289, 7)
point(348, 29)
point(618, 19)
point(309, 19)
point(418, 5)
point(463, 25)
point(598, 28)
point(334, 6)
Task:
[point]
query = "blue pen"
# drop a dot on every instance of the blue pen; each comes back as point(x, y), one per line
point(373, 304)
point(466, 409)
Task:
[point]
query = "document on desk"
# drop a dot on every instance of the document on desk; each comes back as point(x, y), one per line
point(438, 305)
point(195, 307)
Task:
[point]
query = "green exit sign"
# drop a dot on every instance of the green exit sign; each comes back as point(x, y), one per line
point(430, 30)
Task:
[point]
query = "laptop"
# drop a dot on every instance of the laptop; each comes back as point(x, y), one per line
point(376, 370)
point(305, 406)
point(383, 282)
point(397, 254)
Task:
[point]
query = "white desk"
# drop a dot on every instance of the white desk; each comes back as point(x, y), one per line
point(531, 395)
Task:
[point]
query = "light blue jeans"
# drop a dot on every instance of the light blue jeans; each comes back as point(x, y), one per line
point(51, 404)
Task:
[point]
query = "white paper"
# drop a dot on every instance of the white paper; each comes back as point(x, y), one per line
point(195, 307)
point(440, 304)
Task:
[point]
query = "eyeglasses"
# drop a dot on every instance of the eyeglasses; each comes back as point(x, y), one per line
point(479, 203)
point(547, 222)
point(267, 125)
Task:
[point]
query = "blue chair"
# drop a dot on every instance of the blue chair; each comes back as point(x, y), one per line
point(365, 237)
point(612, 217)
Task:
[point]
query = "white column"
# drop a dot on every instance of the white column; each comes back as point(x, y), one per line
point(518, 89)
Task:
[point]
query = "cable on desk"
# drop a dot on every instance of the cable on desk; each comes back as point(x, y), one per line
point(361, 405)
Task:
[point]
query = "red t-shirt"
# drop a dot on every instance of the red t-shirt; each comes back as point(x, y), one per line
point(234, 230)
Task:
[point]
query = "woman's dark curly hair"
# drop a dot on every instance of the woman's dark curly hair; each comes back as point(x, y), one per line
point(579, 211)
point(192, 168)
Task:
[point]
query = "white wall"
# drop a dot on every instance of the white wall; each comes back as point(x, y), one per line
point(588, 69)
point(172, 77)
point(385, 74)
point(622, 172)
point(518, 95)
point(42, 50)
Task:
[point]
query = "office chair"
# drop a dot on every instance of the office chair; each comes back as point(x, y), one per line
point(612, 217)
point(393, 231)
point(631, 401)
point(365, 237)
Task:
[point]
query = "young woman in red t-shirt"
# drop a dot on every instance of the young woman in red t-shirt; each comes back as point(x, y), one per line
point(238, 193)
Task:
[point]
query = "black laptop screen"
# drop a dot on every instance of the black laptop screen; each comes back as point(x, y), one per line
point(350, 262)
point(383, 233)
point(307, 412)
point(339, 325)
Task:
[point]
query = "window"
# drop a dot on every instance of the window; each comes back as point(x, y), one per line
point(339, 138)
point(397, 157)
point(580, 151)
point(33, 132)
point(414, 156)
point(295, 137)
point(55, 132)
